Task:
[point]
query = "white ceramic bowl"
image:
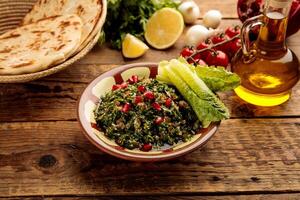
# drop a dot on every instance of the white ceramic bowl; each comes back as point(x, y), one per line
point(102, 84)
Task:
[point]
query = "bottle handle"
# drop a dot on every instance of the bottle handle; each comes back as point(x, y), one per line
point(249, 54)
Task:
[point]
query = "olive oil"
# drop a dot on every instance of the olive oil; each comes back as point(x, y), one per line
point(267, 79)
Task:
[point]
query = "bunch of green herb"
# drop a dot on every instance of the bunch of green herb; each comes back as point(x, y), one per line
point(129, 16)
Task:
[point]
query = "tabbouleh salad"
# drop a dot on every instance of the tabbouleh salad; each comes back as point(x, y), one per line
point(144, 114)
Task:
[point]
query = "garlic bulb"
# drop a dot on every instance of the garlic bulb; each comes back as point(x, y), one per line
point(212, 19)
point(190, 11)
point(196, 34)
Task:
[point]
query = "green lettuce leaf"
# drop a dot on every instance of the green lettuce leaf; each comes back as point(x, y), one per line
point(206, 105)
point(218, 79)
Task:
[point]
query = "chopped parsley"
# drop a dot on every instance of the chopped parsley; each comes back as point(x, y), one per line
point(145, 114)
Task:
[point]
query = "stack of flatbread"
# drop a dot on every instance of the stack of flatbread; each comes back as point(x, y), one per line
point(50, 33)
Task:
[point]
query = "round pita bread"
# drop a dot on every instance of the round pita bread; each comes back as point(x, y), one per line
point(88, 10)
point(36, 46)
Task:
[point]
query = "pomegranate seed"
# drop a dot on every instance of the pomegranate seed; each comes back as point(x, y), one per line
point(149, 95)
point(146, 147)
point(124, 85)
point(141, 88)
point(138, 99)
point(126, 107)
point(156, 106)
point(168, 102)
point(116, 87)
point(133, 79)
point(159, 120)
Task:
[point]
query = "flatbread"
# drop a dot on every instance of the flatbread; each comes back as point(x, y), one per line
point(88, 10)
point(37, 46)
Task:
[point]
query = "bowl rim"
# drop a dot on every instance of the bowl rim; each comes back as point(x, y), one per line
point(198, 143)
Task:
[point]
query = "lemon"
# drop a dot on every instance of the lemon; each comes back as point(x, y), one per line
point(132, 47)
point(164, 28)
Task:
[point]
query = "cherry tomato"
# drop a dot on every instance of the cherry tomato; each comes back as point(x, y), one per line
point(218, 39)
point(197, 56)
point(203, 45)
point(186, 52)
point(198, 62)
point(234, 46)
point(232, 31)
point(195, 59)
point(201, 62)
point(217, 58)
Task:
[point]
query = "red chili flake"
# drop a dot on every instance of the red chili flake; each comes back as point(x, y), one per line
point(141, 88)
point(124, 85)
point(146, 147)
point(133, 79)
point(156, 106)
point(168, 102)
point(116, 87)
point(159, 120)
point(126, 107)
point(138, 99)
point(149, 95)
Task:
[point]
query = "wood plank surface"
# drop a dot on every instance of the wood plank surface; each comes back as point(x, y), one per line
point(44, 155)
point(54, 158)
point(227, 7)
point(55, 100)
point(219, 197)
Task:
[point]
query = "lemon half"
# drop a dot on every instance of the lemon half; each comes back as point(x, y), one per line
point(164, 28)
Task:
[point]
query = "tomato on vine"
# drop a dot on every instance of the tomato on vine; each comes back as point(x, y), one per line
point(233, 31)
point(186, 52)
point(234, 46)
point(218, 39)
point(204, 45)
point(217, 58)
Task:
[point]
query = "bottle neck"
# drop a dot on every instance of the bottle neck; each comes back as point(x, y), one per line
point(279, 6)
point(273, 31)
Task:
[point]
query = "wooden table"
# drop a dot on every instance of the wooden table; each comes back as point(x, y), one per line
point(44, 155)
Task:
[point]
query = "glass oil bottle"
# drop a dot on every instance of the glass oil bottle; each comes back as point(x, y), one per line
point(268, 69)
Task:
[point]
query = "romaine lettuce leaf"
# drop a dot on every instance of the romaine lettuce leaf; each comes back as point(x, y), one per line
point(206, 105)
point(218, 79)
